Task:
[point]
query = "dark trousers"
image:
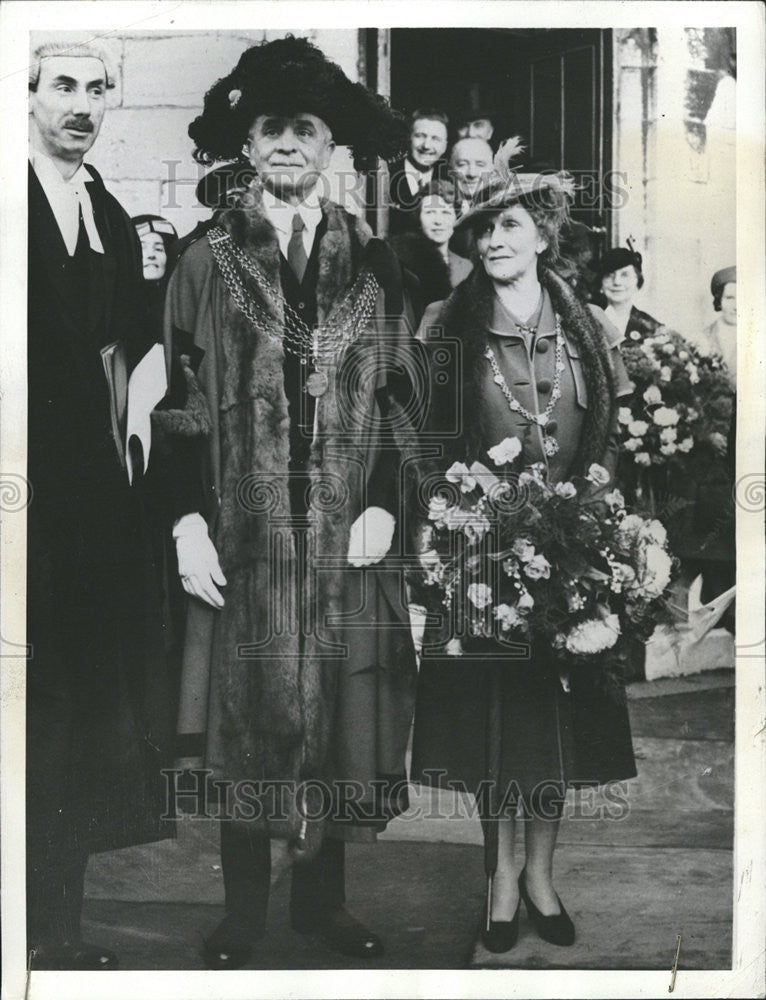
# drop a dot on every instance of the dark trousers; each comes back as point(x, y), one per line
point(55, 864)
point(318, 886)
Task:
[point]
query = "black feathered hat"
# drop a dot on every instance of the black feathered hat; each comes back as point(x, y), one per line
point(287, 76)
point(619, 257)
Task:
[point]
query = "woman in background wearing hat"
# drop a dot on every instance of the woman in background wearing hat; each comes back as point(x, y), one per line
point(533, 362)
point(721, 335)
point(156, 236)
point(619, 278)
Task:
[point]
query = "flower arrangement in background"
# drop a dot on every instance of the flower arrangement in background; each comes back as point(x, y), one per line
point(508, 555)
point(682, 399)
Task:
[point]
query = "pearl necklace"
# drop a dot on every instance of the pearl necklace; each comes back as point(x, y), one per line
point(550, 444)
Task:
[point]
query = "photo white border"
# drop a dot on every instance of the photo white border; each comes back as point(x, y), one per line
point(746, 979)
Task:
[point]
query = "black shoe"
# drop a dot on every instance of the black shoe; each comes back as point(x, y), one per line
point(557, 929)
point(343, 933)
point(73, 956)
point(502, 934)
point(230, 946)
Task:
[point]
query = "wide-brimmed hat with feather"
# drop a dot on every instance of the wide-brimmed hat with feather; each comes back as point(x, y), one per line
point(287, 76)
point(549, 190)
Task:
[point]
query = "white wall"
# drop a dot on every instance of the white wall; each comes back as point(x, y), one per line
point(681, 205)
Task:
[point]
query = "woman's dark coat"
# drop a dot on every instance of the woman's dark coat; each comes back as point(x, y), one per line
point(549, 738)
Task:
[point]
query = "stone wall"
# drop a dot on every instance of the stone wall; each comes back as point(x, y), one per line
point(143, 151)
point(674, 139)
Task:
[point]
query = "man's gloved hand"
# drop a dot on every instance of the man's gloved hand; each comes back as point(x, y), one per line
point(198, 563)
point(370, 537)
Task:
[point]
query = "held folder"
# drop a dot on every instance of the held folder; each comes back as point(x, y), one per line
point(116, 371)
point(131, 400)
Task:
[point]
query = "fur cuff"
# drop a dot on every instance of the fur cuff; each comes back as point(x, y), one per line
point(193, 419)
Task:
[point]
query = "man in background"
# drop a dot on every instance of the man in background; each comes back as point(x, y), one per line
point(423, 163)
point(471, 163)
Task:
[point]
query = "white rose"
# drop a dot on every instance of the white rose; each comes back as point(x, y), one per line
point(437, 509)
point(661, 338)
point(638, 427)
point(523, 549)
point(480, 595)
point(459, 472)
point(630, 526)
point(597, 474)
point(668, 435)
point(614, 500)
point(508, 617)
point(683, 355)
point(668, 349)
point(622, 574)
point(642, 458)
point(652, 395)
point(538, 568)
point(624, 415)
point(505, 452)
point(654, 531)
point(686, 445)
point(656, 572)
point(665, 373)
point(668, 449)
point(565, 490)
point(633, 444)
point(665, 416)
point(594, 636)
point(526, 602)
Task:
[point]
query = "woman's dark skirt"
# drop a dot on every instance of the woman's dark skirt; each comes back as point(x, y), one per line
point(540, 738)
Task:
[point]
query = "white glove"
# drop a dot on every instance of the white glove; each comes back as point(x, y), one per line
point(370, 537)
point(198, 563)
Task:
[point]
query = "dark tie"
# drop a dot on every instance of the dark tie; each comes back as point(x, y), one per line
point(296, 252)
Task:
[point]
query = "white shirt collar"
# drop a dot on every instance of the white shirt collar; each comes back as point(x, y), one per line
point(281, 215)
point(67, 199)
point(415, 177)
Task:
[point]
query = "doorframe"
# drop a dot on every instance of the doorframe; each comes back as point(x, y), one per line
point(375, 72)
point(374, 62)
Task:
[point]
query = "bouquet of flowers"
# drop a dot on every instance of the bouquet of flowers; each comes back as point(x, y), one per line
point(511, 556)
point(681, 399)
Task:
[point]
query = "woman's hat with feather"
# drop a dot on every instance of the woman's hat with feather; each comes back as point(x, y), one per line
point(550, 190)
point(288, 76)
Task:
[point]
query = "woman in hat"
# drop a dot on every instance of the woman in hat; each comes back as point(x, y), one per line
point(427, 253)
point(619, 277)
point(533, 362)
point(156, 236)
point(721, 335)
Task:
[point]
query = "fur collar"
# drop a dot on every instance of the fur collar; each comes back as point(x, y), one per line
point(467, 314)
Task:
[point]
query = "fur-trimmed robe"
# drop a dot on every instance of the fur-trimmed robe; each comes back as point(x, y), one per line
point(276, 711)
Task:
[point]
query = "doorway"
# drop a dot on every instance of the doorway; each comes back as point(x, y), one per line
point(550, 86)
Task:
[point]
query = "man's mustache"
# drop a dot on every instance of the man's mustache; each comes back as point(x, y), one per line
point(81, 124)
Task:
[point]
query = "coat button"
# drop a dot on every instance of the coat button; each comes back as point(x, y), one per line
point(301, 306)
point(542, 347)
point(544, 385)
point(552, 427)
